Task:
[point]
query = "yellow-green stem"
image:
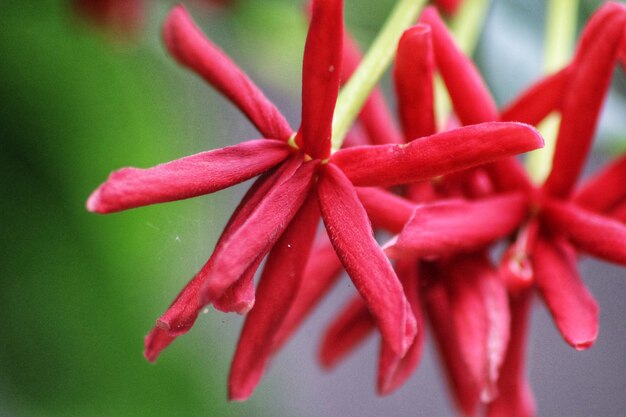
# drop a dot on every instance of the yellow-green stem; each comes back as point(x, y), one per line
point(379, 56)
point(559, 43)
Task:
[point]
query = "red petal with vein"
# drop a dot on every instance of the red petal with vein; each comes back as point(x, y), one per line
point(574, 310)
point(393, 370)
point(606, 189)
point(193, 50)
point(321, 75)
point(515, 398)
point(183, 312)
point(240, 297)
point(413, 76)
point(480, 317)
point(449, 226)
point(442, 153)
point(465, 391)
point(591, 75)
point(385, 209)
point(258, 233)
point(375, 115)
point(187, 177)
point(277, 289)
point(322, 271)
point(351, 234)
point(347, 331)
point(448, 6)
point(593, 233)
point(471, 97)
point(537, 102)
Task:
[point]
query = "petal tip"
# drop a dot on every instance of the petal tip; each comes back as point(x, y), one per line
point(94, 202)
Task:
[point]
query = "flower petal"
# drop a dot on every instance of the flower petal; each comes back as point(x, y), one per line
point(351, 234)
point(385, 209)
point(258, 233)
point(449, 226)
point(593, 233)
point(574, 310)
point(442, 153)
point(282, 276)
point(589, 83)
point(538, 101)
point(515, 398)
point(606, 189)
point(321, 75)
point(240, 297)
point(413, 76)
point(375, 115)
point(193, 50)
point(448, 6)
point(187, 177)
point(470, 96)
point(347, 331)
point(394, 370)
point(322, 271)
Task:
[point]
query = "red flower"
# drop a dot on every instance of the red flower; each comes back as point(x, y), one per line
point(123, 16)
point(299, 176)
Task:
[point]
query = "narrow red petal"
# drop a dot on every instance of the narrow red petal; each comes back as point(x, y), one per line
point(442, 153)
point(183, 312)
point(606, 189)
point(574, 310)
point(480, 318)
point(351, 234)
point(515, 398)
point(193, 50)
point(258, 233)
point(448, 6)
point(240, 297)
point(450, 226)
point(322, 271)
point(385, 209)
point(375, 115)
point(538, 101)
point(470, 96)
point(413, 76)
point(465, 391)
point(321, 75)
point(593, 233)
point(348, 330)
point(187, 177)
point(589, 82)
point(279, 284)
point(393, 370)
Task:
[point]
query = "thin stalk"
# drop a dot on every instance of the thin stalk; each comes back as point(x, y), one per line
point(378, 57)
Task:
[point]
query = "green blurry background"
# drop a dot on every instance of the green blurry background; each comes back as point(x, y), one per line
point(78, 291)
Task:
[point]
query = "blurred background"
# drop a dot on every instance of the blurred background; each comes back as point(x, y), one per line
point(78, 291)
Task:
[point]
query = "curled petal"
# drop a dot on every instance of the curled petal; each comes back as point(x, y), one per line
point(573, 309)
point(470, 96)
point(347, 331)
point(279, 284)
point(515, 398)
point(537, 102)
point(385, 209)
point(322, 271)
point(449, 226)
point(193, 50)
point(321, 75)
point(375, 115)
point(606, 189)
point(187, 177)
point(258, 233)
point(442, 153)
point(351, 234)
point(413, 76)
point(593, 233)
point(393, 370)
point(589, 80)
point(240, 297)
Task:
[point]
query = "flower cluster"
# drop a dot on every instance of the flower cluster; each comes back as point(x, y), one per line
point(448, 196)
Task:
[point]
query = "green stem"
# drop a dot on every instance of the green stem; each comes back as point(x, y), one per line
point(466, 26)
point(378, 57)
point(560, 35)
